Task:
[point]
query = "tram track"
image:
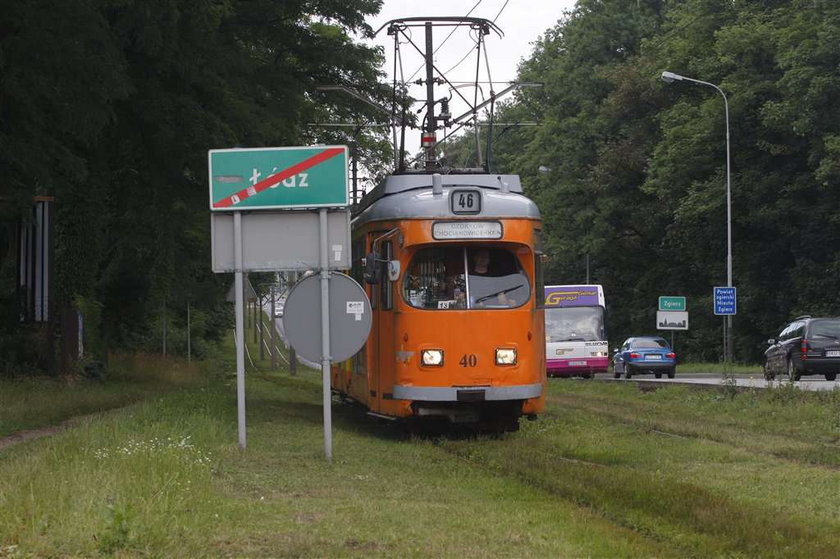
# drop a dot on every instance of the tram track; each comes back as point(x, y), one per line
point(778, 446)
point(681, 516)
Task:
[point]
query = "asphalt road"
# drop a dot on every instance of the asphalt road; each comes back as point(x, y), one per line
point(814, 383)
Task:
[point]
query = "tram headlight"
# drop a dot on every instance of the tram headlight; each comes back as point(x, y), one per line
point(505, 356)
point(432, 357)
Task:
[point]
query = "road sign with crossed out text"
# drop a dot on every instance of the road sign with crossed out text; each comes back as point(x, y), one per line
point(277, 178)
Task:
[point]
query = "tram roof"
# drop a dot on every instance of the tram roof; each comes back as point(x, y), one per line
point(411, 196)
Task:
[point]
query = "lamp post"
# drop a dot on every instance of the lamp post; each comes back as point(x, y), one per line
point(670, 77)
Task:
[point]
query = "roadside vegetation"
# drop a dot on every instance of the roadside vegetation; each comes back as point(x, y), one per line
point(609, 470)
point(29, 402)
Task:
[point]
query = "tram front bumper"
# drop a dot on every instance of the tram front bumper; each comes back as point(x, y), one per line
point(467, 393)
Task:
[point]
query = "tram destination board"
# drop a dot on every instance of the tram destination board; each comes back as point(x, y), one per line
point(445, 230)
point(278, 178)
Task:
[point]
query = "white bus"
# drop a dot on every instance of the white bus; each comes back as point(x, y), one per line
point(575, 332)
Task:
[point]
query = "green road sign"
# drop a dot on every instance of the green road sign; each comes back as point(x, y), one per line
point(671, 303)
point(277, 178)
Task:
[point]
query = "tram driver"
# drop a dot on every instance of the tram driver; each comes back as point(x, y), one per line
point(485, 294)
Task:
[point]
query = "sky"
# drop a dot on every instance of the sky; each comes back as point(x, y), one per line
point(521, 21)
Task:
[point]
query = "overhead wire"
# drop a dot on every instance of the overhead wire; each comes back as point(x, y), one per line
point(454, 29)
point(471, 48)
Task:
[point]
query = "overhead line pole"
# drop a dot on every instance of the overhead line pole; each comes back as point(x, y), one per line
point(428, 140)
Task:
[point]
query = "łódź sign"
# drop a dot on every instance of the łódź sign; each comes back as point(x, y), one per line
point(277, 178)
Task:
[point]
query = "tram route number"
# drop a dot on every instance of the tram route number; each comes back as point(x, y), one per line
point(465, 202)
point(468, 360)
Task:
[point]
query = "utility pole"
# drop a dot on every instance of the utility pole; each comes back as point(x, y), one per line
point(261, 324)
point(273, 328)
point(428, 137)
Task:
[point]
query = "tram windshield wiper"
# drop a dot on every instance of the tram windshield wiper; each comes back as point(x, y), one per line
point(496, 294)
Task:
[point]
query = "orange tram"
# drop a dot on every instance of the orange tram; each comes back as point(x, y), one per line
point(453, 268)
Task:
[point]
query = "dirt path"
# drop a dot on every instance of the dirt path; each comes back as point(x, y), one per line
point(30, 434)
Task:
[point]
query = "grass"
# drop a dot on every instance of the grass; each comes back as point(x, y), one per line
point(29, 403)
point(608, 471)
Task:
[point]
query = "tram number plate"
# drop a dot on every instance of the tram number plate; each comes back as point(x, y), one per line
point(465, 202)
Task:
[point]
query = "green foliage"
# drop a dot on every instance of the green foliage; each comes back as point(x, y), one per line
point(113, 115)
point(637, 168)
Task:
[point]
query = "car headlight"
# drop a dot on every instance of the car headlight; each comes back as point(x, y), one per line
point(432, 357)
point(505, 356)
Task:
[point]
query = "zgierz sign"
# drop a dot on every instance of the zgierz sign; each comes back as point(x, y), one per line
point(277, 178)
point(671, 303)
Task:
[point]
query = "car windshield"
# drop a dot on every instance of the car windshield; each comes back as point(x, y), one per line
point(649, 344)
point(826, 328)
point(565, 324)
point(493, 279)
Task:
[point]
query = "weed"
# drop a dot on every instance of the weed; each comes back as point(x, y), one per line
point(116, 532)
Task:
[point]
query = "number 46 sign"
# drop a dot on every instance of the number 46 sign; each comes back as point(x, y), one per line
point(465, 202)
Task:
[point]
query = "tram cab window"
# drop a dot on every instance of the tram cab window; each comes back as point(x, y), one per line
point(479, 277)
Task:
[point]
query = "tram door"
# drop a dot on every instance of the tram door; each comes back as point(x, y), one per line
point(387, 330)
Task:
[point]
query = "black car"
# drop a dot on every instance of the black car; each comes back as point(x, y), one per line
point(805, 346)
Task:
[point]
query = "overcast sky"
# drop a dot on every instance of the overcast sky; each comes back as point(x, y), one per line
point(522, 21)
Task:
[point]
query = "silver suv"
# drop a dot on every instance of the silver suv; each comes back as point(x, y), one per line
point(806, 346)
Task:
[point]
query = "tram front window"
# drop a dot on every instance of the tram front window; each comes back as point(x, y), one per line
point(436, 279)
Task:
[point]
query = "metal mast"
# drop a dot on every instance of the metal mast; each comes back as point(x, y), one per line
point(428, 139)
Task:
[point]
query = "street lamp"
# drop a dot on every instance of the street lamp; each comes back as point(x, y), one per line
point(670, 77)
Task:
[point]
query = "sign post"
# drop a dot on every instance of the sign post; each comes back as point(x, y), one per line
point(239, 287)
point(325, 336)
point(282, 178)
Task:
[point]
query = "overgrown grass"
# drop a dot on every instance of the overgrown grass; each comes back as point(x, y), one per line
point(608, 471)
point(166, 478)
point(28, 403)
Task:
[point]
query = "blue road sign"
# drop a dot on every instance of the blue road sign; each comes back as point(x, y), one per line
point(726, 301)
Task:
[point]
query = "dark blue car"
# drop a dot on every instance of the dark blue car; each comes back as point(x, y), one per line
point(644, 354)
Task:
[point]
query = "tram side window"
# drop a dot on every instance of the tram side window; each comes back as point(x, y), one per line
point(356, 270)
point(436, 279)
